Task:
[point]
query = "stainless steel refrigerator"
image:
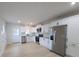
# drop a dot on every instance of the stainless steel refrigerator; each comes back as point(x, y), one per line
point(59, 45)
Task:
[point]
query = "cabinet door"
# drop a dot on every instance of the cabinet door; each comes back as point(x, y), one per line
point(46, 42)
point(50, 47)
point(41, 41)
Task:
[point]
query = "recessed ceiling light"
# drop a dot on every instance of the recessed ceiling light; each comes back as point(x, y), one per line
point(31, 23)
point(73, 3)
point(19, 21)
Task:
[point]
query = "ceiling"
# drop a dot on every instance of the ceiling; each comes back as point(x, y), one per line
point(32, 12)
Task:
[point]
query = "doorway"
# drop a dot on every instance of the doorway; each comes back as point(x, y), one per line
point(60, 40)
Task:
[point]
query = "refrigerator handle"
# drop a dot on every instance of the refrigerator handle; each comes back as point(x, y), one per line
point(54, 37)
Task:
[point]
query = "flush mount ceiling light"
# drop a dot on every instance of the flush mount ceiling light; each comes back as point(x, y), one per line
point(19, 21)
point(31, 23)
point(73, 3)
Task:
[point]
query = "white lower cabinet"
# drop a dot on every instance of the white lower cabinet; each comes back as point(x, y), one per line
point(41, 41)
point(47, 43)
point(50, 46)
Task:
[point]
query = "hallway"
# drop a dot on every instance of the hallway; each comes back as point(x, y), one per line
point(27, 50)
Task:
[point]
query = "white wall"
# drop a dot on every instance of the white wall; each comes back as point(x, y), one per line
point(13, 33)
point(72, 33)
point(2, 36)
point(12, 28)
